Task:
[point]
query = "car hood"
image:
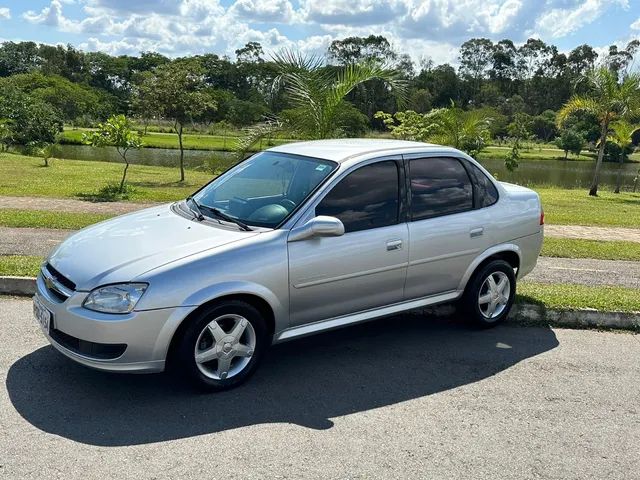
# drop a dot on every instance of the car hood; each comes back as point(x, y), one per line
point(120, 249)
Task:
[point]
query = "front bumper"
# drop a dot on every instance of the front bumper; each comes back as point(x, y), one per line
point(146, 334)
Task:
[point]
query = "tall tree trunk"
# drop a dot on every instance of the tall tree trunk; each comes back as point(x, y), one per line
point(619, 175)
point(179, 130)
point(593, 191)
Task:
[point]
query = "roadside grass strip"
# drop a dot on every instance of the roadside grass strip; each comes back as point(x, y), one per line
point(49, 219)
point(571, 297)
point(600, 250)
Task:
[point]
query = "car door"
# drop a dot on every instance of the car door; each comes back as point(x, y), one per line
point(446, 233)
point(364, 268)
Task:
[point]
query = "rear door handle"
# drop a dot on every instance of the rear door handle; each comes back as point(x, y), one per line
point(394, 245)
point(476, 232)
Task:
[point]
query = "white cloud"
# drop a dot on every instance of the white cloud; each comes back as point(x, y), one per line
point(53, 17)
point(635, 25)
point(5, 13)
point(563, 20)
point(265, 11)
point(432, 28)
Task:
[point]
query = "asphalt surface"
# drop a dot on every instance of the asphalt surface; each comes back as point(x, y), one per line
point(586, 271)
point(405, 397)
point(30, 241)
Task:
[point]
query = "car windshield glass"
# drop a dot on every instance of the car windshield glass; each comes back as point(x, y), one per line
point(266, 188)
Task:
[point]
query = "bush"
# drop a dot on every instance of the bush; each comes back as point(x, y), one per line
point(570, 141)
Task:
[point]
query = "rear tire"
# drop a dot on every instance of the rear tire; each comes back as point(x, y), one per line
point(490, 293)
point(221, 347)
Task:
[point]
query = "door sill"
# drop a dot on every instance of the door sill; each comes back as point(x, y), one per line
point(364, 316)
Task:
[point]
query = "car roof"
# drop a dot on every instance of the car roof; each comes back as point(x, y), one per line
point(343, 149)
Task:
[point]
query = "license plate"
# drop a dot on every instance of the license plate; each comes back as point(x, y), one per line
point(43, 316)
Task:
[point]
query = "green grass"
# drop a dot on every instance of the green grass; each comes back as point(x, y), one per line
point(48, 219)
point(19, 265)
point(566, 297)
point(25, 176)
point(576, 207)
point(602, 250)
point(170, 140)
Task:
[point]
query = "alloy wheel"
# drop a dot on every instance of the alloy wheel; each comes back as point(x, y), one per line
point(494, 295)
point(225, 346)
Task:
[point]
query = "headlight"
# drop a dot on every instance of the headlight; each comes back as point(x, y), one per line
point(120, 298)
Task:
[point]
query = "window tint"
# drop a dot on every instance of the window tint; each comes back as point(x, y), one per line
point(366, 198)
point(439, 186)
point(485, 192)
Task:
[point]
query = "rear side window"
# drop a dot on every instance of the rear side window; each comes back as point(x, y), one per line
point(485, 192)
point(439, 186)
point(366, 198)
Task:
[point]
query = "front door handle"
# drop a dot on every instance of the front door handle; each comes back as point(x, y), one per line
point(394, 245)
point(476, 232)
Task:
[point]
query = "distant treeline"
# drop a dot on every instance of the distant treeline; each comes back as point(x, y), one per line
point(64, 84)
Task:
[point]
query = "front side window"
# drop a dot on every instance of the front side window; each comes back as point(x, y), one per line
point(439, 186)
point(366, 198)
point(266, 188)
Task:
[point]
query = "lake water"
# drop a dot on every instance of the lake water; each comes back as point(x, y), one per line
point(567, 174)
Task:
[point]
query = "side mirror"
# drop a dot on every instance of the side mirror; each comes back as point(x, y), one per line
point(321, 226)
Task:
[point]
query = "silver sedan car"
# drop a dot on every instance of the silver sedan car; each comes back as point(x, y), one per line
point(295, 240)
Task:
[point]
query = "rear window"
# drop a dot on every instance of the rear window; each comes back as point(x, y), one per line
point(485, 192)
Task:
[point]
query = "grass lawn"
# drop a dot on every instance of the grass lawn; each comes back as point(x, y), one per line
point(576, 207)
point(25, 176)
point(48, 219)
point(577, 248)
point(19, 265)
point(170, 140)
point(565, 296)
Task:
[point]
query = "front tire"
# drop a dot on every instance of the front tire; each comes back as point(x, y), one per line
point(490, 293)
point(221, 347)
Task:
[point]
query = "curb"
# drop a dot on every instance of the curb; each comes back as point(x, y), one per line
point(17, 286)
point(521, 313)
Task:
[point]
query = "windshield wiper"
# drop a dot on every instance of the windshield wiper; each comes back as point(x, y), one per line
point(195, 209)
point(218, 213)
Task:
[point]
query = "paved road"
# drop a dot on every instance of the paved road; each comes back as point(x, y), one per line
point(593, 233)
point(398, 398)
point(30, 241)
point(69, 205)
point(585, 271)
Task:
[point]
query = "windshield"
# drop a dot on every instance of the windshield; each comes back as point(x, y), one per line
point(266, 188)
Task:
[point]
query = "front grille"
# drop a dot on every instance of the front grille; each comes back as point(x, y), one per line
point(99, 351)
point(59, 286)
point(64, 281)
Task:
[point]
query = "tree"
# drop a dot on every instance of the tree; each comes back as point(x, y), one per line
point(6, 134)
point(476, 58)
point(177, 91)
point(118, 132)
point(518, 131)
point(31, 119)
point(622, 135)
point(44, 150)
point(543, 126)
point(361, 49)
point(608, 100)
point(309, 85)
point(465, 130)
point(570, 141)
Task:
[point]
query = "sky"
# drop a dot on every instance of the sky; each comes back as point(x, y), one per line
point(425, 29)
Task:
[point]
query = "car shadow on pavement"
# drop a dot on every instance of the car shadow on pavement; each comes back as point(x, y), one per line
point(306, 382)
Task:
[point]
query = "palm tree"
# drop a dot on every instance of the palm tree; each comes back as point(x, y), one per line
point(609, 100)
point(318, 92)
point(466, 130)
point(622, 135)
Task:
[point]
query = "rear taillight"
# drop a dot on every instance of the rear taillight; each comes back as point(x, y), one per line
point(541, 217)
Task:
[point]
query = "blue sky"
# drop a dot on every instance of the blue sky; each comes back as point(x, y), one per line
point(423, 28)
